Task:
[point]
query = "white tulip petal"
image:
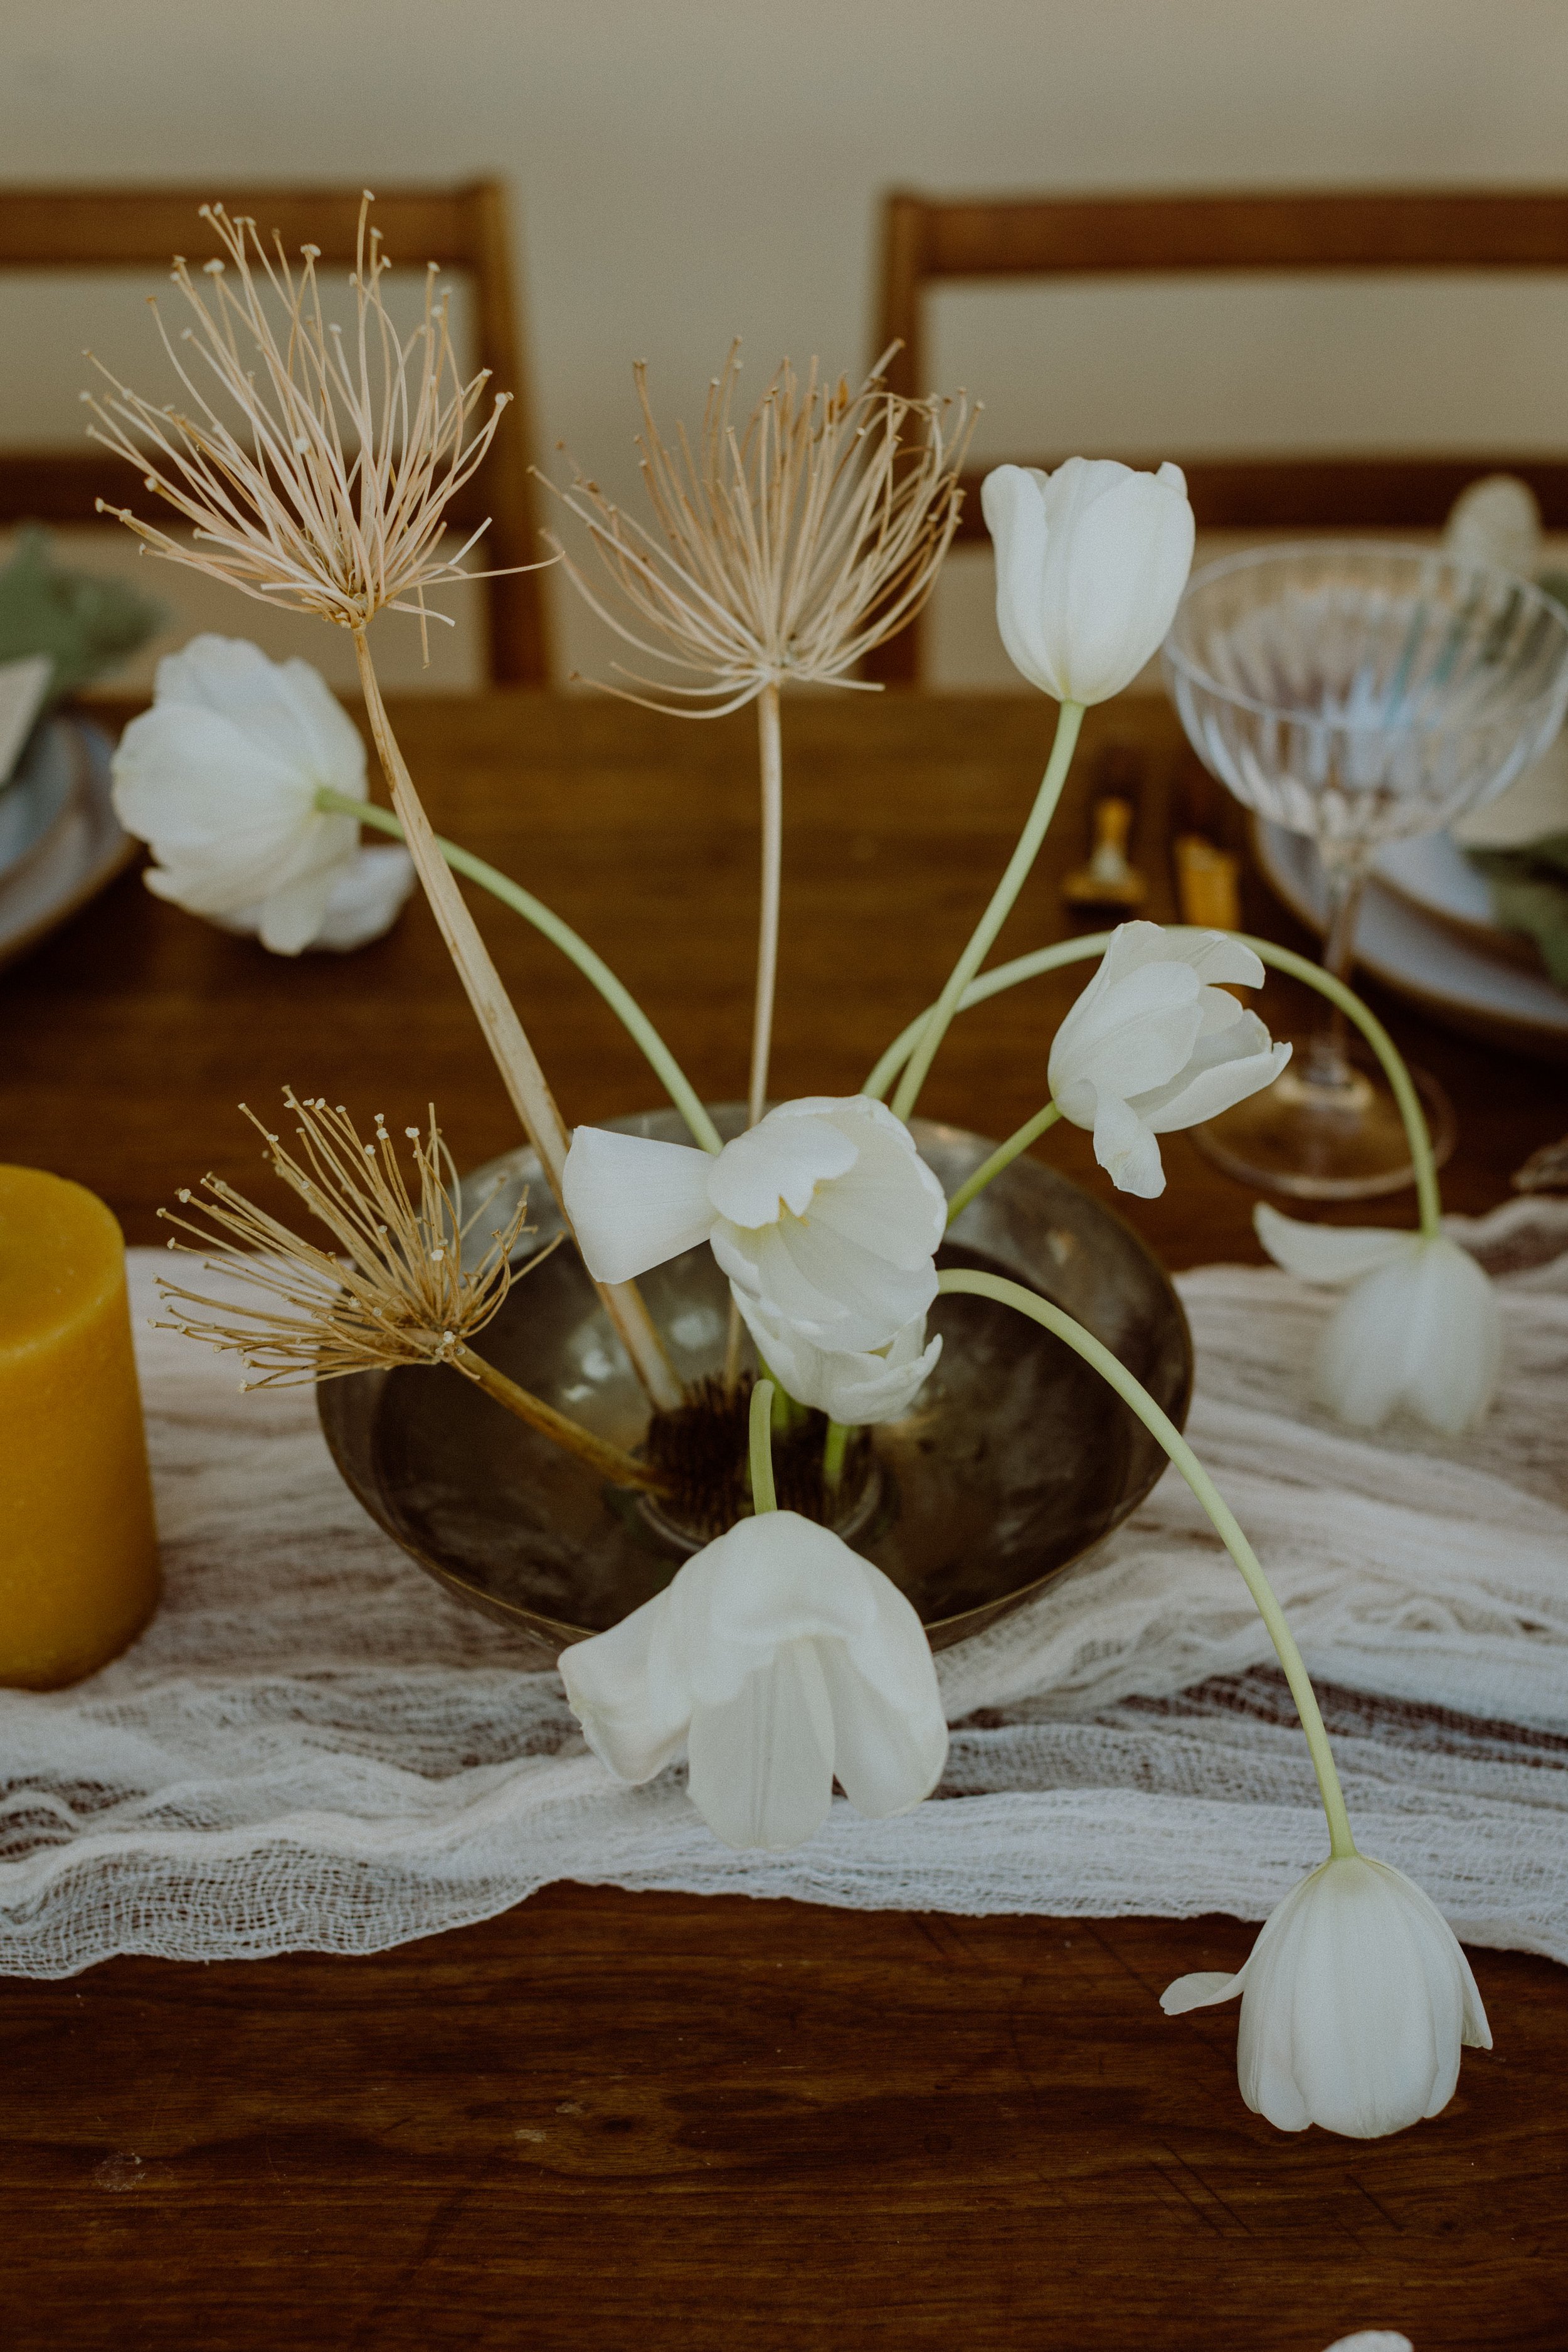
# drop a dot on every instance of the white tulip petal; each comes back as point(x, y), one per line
point(777, 1165)
point(1015, 512)
point(366, 897)
point(761, 1762)
point(1421, 1332)
point(1201, 1990)
point(285, 708)
point(1132, 549)
point(1327, 1253)
point(890, 1731)
point(853, 1386)
point(839, 1295)
point(634, 1715)
point(1373, 2339)
point(1137, 1036)
point(1127, 1150)
point(1215, 1081)
point(634, 1202)
point(291, 917)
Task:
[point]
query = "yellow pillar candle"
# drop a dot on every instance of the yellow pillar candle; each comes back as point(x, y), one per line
point(78, 1552)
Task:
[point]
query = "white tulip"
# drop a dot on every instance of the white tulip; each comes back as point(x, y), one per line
point(1373, 2339)
point(851, 1386)
point(1153, 1044)
point(1419, 1328)
point(220, 778)
point(780, 1659)
point(1354, 2001)
point(1091, 565)
point(823, 1215)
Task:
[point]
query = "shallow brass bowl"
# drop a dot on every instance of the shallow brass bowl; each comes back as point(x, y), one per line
point(1014, 1460)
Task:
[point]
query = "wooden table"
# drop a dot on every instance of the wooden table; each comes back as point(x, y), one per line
point(607, 2119)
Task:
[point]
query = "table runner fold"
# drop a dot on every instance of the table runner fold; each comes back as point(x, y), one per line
point(314, 1747)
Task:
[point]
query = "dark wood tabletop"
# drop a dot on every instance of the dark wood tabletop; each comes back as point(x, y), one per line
point(608, 2119)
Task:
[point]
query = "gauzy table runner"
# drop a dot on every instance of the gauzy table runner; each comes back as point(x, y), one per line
point(312, 1748)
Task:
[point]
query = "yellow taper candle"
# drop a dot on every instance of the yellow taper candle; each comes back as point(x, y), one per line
point(78, 1553)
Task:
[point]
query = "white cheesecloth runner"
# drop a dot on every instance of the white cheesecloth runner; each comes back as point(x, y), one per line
point(312, 1747)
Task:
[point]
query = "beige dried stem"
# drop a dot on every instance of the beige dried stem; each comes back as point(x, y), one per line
point(396, 1290)
point(315, 469)
point(784, 549)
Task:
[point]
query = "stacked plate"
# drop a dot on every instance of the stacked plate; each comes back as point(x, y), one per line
point(59, 839)
point(1427, 930)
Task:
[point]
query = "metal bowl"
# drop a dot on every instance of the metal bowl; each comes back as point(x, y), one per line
point(1014, 1460)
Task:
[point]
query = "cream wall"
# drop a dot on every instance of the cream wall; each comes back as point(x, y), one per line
point(685, 169)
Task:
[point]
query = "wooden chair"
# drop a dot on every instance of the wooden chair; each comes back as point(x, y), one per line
point(929, 241)
point(56, 230)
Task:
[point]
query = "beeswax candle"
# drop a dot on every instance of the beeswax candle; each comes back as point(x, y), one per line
point(79, 1554)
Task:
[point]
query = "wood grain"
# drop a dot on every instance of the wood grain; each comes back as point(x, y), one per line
point(607, 2118)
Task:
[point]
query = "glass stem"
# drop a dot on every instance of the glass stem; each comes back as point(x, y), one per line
point(1328, 1069)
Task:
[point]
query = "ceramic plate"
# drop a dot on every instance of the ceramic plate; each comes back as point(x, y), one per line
point(1426, 957)
point(73, 854)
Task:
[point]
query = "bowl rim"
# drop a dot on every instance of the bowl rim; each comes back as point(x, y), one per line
point(1189, 668)
point(941, 1632)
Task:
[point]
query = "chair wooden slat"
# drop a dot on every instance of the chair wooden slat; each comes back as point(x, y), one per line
point(928, 241)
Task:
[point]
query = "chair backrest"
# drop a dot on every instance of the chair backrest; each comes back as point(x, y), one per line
point(929, 241)
point(63, 229)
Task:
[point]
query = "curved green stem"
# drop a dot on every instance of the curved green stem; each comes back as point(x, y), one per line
point(1164, 1429)
point(1300, 967)
point(1003, 1157)
point(1069, 719)
point(760, 1429)
point(594, 968)
point(836, 1440)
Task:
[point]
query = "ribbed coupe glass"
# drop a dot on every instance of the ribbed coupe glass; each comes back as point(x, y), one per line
point(1357, 692)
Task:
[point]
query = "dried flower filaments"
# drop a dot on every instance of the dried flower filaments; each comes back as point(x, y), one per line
point(782, 550)
point(329, 491)
point(397, 1290)
point(329, 494)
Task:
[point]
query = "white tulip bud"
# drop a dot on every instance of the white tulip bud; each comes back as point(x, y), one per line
point(1091, 565)
point(1356, 2001)
point(1153, 1045)
point(1418, 1329)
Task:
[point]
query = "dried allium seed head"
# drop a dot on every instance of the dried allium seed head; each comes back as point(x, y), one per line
point(399, 1292)
point(320, 478)
point(783, 550)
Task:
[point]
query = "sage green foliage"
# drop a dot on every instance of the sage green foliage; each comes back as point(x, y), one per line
point(85, 624)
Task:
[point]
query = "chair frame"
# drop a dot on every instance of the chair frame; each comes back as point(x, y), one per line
point(929, 241)
point(60, 230)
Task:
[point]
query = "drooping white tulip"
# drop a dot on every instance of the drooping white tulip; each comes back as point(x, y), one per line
point(1418, 1329)
point(1091, 565)
point(220, 778)
point(1356, 2001)
point(1153, 1045)
point(823, 1215)
point(781, 1660)
point(853, 1386)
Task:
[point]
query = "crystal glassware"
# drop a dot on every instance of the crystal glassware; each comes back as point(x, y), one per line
point(1357, 692)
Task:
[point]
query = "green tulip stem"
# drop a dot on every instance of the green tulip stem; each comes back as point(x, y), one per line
point(833, 1455)
point(1003, 1157)
point(1043, 959)
point(1165, 1431)
point(594, 968)
point(935, 1022)
point(764, 1497)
